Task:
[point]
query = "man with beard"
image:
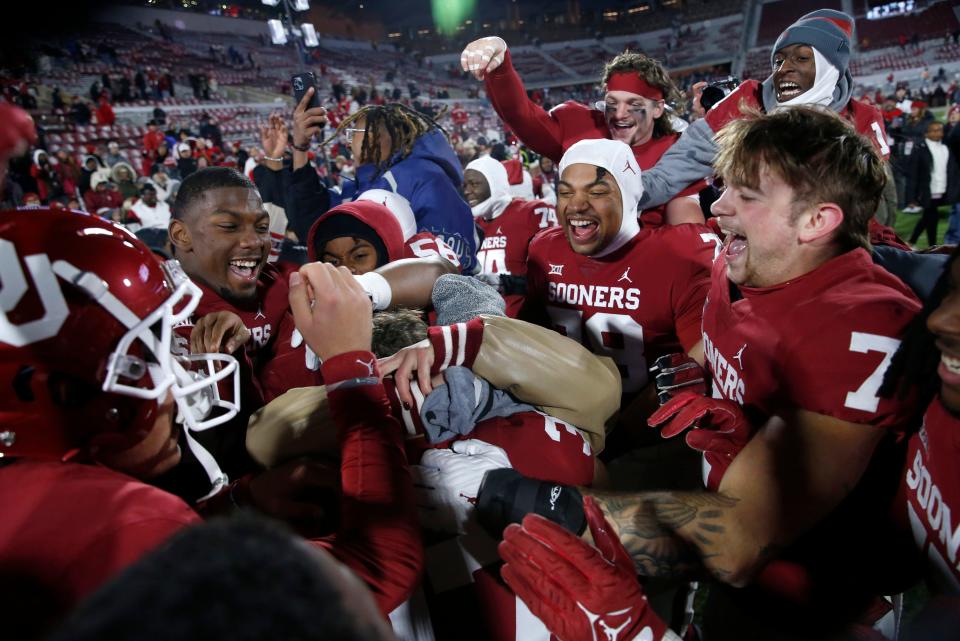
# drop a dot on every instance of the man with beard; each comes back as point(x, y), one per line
point(633, 111)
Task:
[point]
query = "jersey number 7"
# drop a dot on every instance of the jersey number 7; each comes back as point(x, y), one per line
point(865, 397)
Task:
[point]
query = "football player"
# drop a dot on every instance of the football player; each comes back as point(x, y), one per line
point(508, 225)
point(91, 390)
point(929, 355)
point(95, 396)
point(629, 293)
point(220, 233)
point(633, 111)
point(810, 67)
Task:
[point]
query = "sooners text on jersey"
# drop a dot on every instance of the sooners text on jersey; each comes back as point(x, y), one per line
point(507, 238)
point(933, 494)
point(634, 305)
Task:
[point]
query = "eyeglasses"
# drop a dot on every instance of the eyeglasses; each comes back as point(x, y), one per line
point(349, 131)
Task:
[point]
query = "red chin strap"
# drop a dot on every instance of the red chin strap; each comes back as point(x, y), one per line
point(632, 82)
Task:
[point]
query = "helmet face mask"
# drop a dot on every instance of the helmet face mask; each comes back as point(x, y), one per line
point(102, 309)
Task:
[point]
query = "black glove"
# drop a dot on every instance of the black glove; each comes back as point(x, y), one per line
point(506, 496)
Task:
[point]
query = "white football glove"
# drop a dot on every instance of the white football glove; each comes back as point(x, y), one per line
point(311, 360)
point(447, 481)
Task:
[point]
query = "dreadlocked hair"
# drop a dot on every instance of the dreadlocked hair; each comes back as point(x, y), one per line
point(914, 364)
point(402, 124)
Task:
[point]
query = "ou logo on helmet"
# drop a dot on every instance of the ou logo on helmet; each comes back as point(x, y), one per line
point(13, 286)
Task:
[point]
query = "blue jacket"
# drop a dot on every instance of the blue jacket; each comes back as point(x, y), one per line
point(430, 178)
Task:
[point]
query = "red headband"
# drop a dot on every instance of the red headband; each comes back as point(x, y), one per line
point(632, 82)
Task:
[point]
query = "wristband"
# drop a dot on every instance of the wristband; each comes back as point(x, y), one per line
point(506, 496)
point(280, 159)
point(304, 148)
point(377, 288)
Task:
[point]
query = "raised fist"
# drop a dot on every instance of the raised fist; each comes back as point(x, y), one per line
point(483, 55)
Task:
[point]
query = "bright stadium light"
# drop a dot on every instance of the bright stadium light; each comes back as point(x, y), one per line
point(309, 35)
point(301, 5)
point(278, 35)
point(270, 3)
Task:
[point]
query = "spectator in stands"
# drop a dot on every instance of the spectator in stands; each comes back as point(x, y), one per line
point(91, 164)
point(140, 81)
point(165, 185)
point(210, 130)
point(95, 91)
point(68, 171)
point(159, 159)
point(49, 186)
point(186, 163)
point(934, 180)
point(56, 99)
point(103, 196)
point(114, 155)
point(809, 67)
point(150, 212)
point(124, 177)
point(152, 139)
point(80, 112)
point(460, 117)
point(105, 115)
point(124, 94)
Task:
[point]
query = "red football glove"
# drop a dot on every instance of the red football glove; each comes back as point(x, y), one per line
point(677, 372)
point(580, 592)
point(720, 429)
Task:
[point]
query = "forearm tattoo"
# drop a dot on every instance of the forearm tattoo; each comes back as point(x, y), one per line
point(669, 534)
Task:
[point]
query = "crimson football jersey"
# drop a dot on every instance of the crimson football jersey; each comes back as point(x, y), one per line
point(634, 305)
point(69, 527)
point(507, 238)
point(866, 119)
point(768, 348)
point(822, 343)
point(275, 364)
point(466, 595)
point(933, 495)
point(552, 133)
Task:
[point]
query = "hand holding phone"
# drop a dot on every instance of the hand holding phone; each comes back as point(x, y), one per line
point(309, 118)
point(302, 82)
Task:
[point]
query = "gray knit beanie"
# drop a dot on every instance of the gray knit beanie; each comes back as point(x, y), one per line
point(826, 30)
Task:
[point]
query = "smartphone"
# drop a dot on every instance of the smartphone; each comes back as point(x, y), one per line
point(301, 82)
